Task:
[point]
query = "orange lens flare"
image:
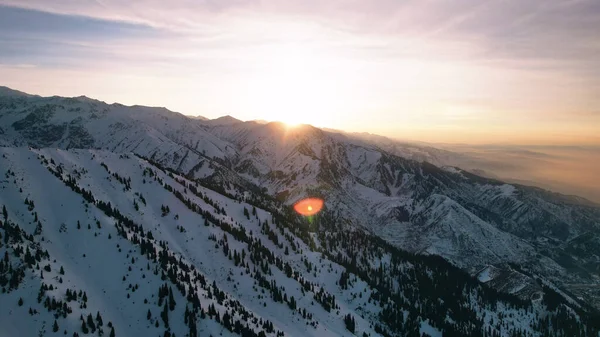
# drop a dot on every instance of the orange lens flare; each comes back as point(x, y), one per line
point(308, 206)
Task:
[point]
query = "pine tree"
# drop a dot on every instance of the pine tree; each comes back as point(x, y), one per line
point(55, 326)
point(4, 212)
point(292, 303)
point(350, 323)
point(84, 328)
point(62, 271)
point(90, 323)
point(20, 301)
point(227, 320)
point(99, 319)
point(171, 300)
point(165, 315)
point(149, 315)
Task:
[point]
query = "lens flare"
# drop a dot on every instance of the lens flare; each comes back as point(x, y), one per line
point(308, 206)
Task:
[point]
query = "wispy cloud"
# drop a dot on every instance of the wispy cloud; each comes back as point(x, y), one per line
point(551, 30)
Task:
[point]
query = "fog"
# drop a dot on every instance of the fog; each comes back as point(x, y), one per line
point(566, 169)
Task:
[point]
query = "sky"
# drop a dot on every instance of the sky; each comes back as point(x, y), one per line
point(502, 71)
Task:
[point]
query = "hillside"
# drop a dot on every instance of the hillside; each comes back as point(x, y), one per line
point(128, 246)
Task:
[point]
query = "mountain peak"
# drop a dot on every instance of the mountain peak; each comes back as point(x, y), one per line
point(224, 120)
point(8, 92)
point(200, 118)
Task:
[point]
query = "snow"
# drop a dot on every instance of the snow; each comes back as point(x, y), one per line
point(428, 329)
point(451, 169)
point(101, 271)
point(484, 275)
point(504, 190)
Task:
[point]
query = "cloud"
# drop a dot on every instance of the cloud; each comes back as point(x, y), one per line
point(553, 30)
point(41, 38)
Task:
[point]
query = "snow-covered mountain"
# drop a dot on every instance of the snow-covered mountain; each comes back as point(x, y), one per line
point(526, 238)
point(82, 122)
point(95, 242)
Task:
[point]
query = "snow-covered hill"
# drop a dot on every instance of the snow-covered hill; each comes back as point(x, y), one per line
point(367, 182)
point(94, 242)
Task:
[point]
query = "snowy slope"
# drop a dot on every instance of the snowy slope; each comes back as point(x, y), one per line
point(119, 229)
point(98, 264)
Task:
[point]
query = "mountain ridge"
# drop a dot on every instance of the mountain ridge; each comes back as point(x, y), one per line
point(143, 250)
point(367, 186)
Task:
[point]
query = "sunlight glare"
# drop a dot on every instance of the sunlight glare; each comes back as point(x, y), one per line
point(296, 87)
point(308, 206)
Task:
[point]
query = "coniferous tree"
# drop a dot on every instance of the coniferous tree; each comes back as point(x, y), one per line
point(84, 328)
point(171, 300)
point(55, 326)
point(292, 303)
point(227, 320)
point(90, 323)
point(350, 323)
point(165, 315)
point(99, 319)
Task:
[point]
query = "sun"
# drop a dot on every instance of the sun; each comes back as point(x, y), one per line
point(292, 125)
point(292, 120)
point(296, 87)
